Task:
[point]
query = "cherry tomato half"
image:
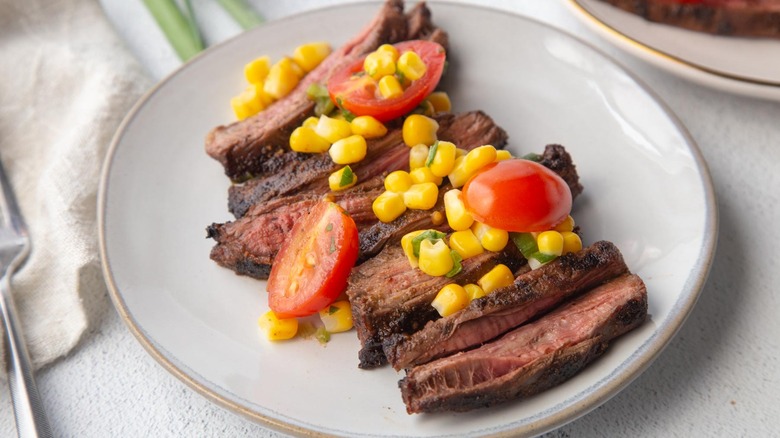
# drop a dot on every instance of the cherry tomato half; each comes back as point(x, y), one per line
point(518, 195)
point(358, 93)
point(311, 269)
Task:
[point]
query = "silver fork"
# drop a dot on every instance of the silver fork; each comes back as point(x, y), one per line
point(30, 416)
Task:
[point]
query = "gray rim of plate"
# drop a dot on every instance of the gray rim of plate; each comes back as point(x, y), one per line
point(566, 411)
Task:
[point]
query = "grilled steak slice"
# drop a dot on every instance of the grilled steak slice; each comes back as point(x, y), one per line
point(532, 294)
point(386, 154)
point(390, 297)
point(244, 147)
point(751, 18)
point(532, 358)
point(373, 239)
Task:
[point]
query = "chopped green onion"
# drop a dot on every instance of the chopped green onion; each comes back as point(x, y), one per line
point(348, 115)
point(431, 235)
point(346, 177)
point(456, 265)
point(322, 103)
point(245, 16)
point(542, 257)
point(322, 335)
point(432, 154)
point(532, 157)
point(180, 30)
point(332, 310)
point(525, 242)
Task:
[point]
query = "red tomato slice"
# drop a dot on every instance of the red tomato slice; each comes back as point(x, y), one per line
point(518, 195)
point(358, 93)
point(311, 269)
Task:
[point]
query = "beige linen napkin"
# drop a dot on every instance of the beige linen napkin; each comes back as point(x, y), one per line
point(66, 81)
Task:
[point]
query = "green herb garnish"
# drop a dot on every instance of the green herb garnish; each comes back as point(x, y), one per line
point(322, 335)
point(525, 242)
point(542, 257)
point(456, 265)
point(348, 116)
point(332, 310)
point(532, 157)
point(322, 103)
point(431, 235)
point(432, 154)
point(347, 177)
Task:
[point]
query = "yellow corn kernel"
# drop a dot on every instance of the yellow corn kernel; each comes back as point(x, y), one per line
point(450, 299)
point(398, 181)
point(283, 76)
point(458, 175)
point(419, 129)
point(348, 150)
point(368, 127)
point(389, 87)
point(502, 155)
point(309, 56)
point(437, 218)
point(435, 258)
point(332, 129)
point(342, 179)
point(566, 225)
point(388, 206)
point(444, 159)
point(474, 291)
point(550, 242)
point(480, 157)
point(246, 104)
point(337, 317)
point(421, 196)
point(466, 244)
point(440, 101)
point(424, 174)
point(379, 64)
point(492, 239)
point(277, 329)
point(311, 122)
point(571, 242)
point(457, 217)
point(418, 155)
point(257, 70)
point(389, 48)
point(304, 139)
point(460, 152)
point(411, 65)
point(406, 244)
point(498, 277)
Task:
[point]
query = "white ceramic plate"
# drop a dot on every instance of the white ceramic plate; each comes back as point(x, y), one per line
point(647, 190)
point(748, 66)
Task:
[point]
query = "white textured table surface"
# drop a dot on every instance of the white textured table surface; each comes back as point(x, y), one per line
point(718, 377)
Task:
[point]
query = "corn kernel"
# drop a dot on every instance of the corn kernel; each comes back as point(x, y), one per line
point(257, 70)
point(379, 64)
point(309, 56)
point(406, 244)
point(566, 225)
point(389, 87)
point(424, 174)
point(571, 242)
point(342, 179)
point(332, 129)
point(348, 150)
point(492, 239)
point(443, 160)
point(304, 139)
point(498, 277)
point(460, 152)
point(457, 217)
point(421, 196)
point(502, 155)
point(419, 129)
point(390, 49)
point(388, 206)
point(368, 127)
point(418, 155)
point(411, 65)
point(450, 299)
point(458, 175)
point(440, 101)
point(398, 181)
point(437, 218)
point(311, 122)
point(474, 291)
point(480, 157)
point(466, 244)
point(435, 258)
point(277, 329)
point(337, 317)
point(246, 104)
point(282, 78)
point(550, 242)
